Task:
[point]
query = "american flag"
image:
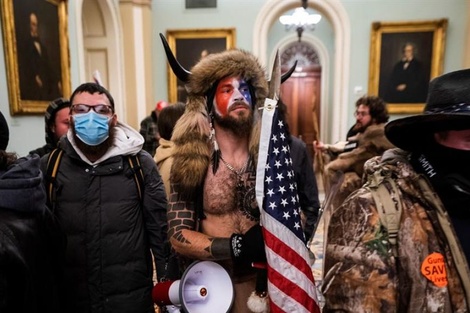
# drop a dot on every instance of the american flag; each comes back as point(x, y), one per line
point(291, 285)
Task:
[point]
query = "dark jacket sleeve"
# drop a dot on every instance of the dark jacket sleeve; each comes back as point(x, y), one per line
point(306, 185)
point(154, 212)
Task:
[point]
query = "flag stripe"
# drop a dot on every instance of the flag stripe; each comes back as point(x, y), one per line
point(293, 246)
point(294, 301)
point(291, 286)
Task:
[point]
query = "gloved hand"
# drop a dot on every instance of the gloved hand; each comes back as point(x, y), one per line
point(248, 248)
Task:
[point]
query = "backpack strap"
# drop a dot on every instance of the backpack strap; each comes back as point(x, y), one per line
point(53, 162)
point(388, 206)
point(136, 168)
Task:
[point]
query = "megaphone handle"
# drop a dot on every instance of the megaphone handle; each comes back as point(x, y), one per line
point(259, 265)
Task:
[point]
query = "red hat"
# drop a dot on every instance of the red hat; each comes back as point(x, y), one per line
point(160, 105)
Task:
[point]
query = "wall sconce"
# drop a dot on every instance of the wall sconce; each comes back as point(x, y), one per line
point(300, 20)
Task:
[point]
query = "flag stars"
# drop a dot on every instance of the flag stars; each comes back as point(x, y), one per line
point(283, 136)
point(293, 200)
point(274, 138)
point(284, 149)
point(277, 164)
point(291, 186)
point(272, 205)
point(268, 167)
point(284, 202)
point(280, 124)
point(282, 189)
point(268, 179)
point(276, 151)
point(286, 215)
point(297, 226)
point(279, 176)
point(270, 192)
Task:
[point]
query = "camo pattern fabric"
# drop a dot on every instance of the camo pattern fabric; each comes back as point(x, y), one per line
point(360, 272)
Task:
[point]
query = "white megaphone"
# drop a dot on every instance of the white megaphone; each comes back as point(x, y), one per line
point(204, 287)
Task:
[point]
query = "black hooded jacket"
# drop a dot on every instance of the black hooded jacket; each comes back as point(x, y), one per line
point(31, 245)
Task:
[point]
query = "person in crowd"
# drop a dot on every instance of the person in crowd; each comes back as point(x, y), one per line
point(167, 119)
point(31, 242)
point(164, 154)
point(148, 128)
point(407, 82)
point(56, 121)
point(213, 213)
point(113, 224)
point(304, 176)
point(411, 253)
point(5, 132)
point(371, 115)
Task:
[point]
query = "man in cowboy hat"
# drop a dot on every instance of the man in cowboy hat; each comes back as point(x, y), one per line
point(414, 256)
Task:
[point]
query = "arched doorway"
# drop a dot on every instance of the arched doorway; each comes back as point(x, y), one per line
point(100, 46)
point(334, 113)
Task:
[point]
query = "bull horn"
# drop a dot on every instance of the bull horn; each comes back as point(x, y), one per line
point(287, 74)
point(180, 72)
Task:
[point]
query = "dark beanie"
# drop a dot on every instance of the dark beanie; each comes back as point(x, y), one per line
point(4, 133)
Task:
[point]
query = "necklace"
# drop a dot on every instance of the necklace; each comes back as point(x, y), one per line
point(232, 168)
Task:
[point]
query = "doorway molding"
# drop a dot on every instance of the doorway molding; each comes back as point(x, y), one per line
point(334, 116)
point(324, 58)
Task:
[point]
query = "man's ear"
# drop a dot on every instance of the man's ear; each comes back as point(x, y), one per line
point(114, 119)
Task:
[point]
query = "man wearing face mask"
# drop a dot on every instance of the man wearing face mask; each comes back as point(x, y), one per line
point(112, 227)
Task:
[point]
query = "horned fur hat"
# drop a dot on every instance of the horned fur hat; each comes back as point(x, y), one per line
point(192, 132)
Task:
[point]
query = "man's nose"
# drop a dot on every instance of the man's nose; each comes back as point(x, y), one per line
point(238, 96)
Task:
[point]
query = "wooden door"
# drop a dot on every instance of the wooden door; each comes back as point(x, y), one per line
point(301, 94)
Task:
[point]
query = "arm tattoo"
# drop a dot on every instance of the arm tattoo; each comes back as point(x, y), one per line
point(181, 215)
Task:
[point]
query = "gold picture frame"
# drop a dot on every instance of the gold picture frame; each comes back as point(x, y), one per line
point(189, 45)
point(389, 43)
point(38, 69)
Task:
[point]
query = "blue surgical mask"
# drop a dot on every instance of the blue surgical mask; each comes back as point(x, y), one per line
point(92, 128)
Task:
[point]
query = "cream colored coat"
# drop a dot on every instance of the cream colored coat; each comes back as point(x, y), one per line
point(164, 159)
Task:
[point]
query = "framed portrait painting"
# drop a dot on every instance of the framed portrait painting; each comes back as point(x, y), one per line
point(36, 53)
point(404, 57)
point(189, 46)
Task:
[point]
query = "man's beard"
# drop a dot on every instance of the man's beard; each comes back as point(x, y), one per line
point(359, 128)
point(240, 125)
point(94, 151)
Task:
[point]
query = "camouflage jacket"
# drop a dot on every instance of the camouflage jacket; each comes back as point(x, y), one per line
point(361, 274)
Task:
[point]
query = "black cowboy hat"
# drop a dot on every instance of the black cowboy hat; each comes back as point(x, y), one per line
point(447, 108)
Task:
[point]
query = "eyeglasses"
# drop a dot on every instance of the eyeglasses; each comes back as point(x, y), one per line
point(85, 108)
point(360, 114)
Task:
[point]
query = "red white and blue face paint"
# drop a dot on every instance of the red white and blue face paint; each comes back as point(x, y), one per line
point(232, 93)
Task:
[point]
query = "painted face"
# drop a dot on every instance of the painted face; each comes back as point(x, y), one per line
point(232, 94)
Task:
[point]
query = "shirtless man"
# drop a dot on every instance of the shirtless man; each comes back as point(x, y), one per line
point(217, 218)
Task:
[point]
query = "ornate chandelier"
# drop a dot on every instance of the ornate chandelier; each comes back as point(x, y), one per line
point(300, 20)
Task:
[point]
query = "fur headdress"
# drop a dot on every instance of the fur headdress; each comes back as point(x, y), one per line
point(192, 131)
